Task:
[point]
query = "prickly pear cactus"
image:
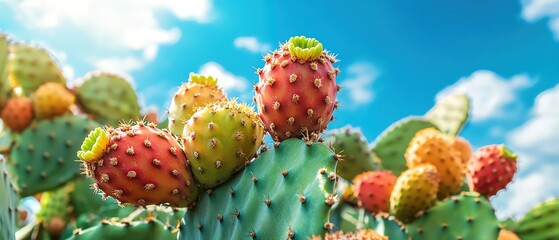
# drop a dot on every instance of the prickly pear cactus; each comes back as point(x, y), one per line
point(4, 84)
point(450, 113)
point(109, 98)
point(30, 66)
point(465, 216)
point(541, 222)
point(84, 199)
point(44, 156)
point(391, 145)
point(350, 219)
point(352, 145)
point(107, 230)
point(8, 203)
point(287, 192)
point(55, 209)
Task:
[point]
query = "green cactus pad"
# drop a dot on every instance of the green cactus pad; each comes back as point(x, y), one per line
point(287, 192)
point(465, 216)
point(8, 203)
point(391, 145)
point(106, 230)
point(4, 83)
point(30, 66)
point(450, 113)
point(353, 147)
point(541, 222)
point(352, 219)
point(84, 199)
point(304, 49)
point(109, 98)
point(44, 157)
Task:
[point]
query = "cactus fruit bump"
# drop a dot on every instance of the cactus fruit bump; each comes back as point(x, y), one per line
point(139, 164)
point(296, 94)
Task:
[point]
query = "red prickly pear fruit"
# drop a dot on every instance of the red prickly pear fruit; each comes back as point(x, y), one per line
point(140, 165)
point(296, 94)
point(18, 113)
point(490, 169)
point(373, 190)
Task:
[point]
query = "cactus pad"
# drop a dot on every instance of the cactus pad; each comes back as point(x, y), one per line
point(287, 192)
point(352, 145)
point(541, 222)
point(450, 113)
point(8, 203)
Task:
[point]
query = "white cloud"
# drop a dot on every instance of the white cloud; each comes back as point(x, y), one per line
point(541, 132)
point(119, 65)
point(535, 141)
point(129, 27)
point(358, 84)
point(251, 44)
point(226, 80)
point(490, 93)
point(534, 10)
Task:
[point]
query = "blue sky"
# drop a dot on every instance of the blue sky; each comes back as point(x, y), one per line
point(396, 58)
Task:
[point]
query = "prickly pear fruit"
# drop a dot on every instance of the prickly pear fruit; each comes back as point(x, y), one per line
point(30, 67)
point(365, 234)
point(507, 235)
point(415, 190)
point(490, 169)
point(296, 94)
point(140, 165)
point(18, 113)
point(220, 139)
point(373, 190)
point(198, 92)
point(55, 209)
point(464, 148)
point(51, 100)
point(432, 147)
point(352, 145)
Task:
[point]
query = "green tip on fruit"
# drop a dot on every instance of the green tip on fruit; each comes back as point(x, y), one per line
point(202, 79)
point(508, 153)
point(94, 145)
point(306, 49)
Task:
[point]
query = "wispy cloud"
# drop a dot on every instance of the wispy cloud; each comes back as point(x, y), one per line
point(535, 10)
point(128, 26)
point(490, 93)
point(251, 44)
point(359, 81)
point(535, 141)
point(226, 80)
point(119, 65)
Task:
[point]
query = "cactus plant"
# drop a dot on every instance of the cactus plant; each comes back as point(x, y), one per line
point(109, 98)
point(349, 219)
point(8, 203)
point(465, 216)
point(296, 94)
point(43, 156)
point(450, 113)
point(200, 91)
point(55, 210)
point(287, 192)
point(352, 145)
point(391, 145)
point(31, 66)
point(5, 87)
point(540, 222)
point(144, 229)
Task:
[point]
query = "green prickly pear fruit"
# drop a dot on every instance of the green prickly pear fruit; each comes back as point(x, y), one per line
point(353, 147)
point(415, 190)
point(139, 164)
point(198, 92)
point(220, 139)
